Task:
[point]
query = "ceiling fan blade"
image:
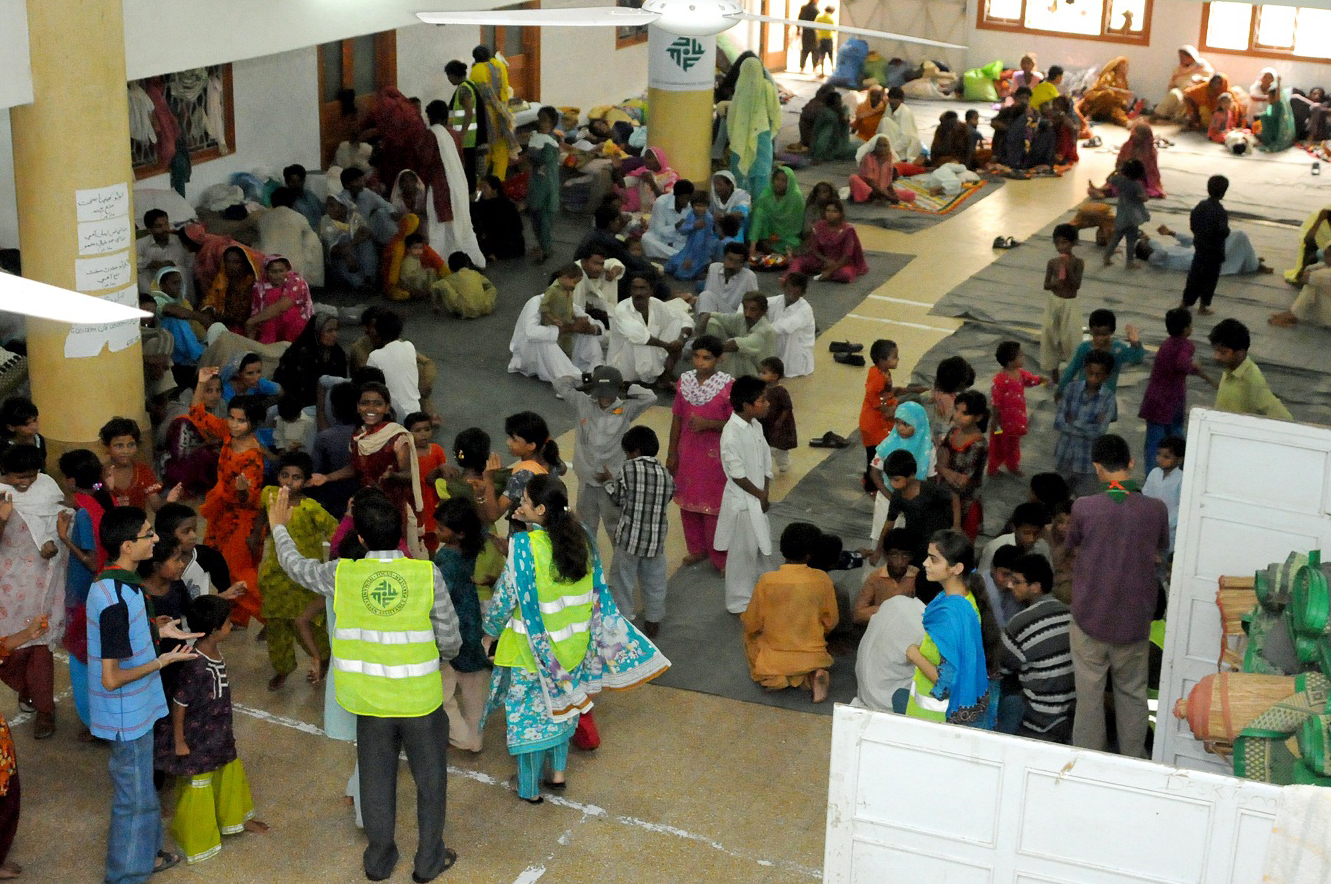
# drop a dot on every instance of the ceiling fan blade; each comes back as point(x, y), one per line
point(862, 32)
point(30, 298)
point(573, 17)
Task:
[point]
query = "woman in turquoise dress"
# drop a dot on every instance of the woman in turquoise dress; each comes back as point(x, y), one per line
point(561, 639)
point(1276, 129)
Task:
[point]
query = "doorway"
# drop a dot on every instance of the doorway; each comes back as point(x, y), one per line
point(521, 48)
point(362, 65)
point(773, 38)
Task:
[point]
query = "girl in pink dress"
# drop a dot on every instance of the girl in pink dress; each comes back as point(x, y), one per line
point(834, 251)
point(702, 407)
point(280, 305)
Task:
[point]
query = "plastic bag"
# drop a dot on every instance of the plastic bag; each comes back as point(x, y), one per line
point(978, 83)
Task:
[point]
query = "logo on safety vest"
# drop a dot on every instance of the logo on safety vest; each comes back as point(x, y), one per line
point(685, 52)
point(384, 593)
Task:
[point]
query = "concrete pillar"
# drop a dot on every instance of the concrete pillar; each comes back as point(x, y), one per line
point(680, 72)
point(76, 228)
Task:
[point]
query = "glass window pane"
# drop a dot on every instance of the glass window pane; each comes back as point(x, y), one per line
point(1004, 10)
point(1275, 26)
point(512, 42)
point(1310, 34)
point(1118, 11)
point(363, 64)
point(1065, 18)
point(1228, 25)
point(330, 62)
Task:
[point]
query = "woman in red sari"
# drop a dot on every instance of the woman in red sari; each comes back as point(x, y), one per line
point(232, 506)
point(702, 407)
point(383, 455)
point(834, 252)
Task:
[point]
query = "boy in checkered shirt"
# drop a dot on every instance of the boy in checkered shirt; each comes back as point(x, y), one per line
point(643, 490)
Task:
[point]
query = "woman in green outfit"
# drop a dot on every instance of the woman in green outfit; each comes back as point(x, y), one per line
point(777, 223)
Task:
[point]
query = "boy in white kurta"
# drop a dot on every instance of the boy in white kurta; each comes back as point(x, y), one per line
point(742, 528)
point(791, 317)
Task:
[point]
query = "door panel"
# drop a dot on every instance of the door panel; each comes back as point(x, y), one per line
point(521, 48)
point(773, 38)
point(363, 65)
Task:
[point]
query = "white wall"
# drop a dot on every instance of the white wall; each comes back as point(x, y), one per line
point(422, 52)
point(15, 69)
point(277, 120)
point(8, 197)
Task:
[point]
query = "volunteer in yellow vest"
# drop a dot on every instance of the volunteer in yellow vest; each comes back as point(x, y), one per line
point(467, 117)
point(395, 627)
point(561, 638)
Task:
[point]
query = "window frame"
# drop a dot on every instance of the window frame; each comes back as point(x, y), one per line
point(205, 154)
point(1018, 26)
point(1256, 50)
point(637, 33)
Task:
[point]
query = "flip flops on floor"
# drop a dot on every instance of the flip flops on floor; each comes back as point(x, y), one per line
point(828, 440)
point(844, 347)
point(1005, 242)
point(1093, 141)
point(854, 359)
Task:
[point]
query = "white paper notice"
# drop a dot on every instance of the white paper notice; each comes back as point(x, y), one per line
point(84, 341)
point(102, 203)
point(101, 237)
point(99, 274)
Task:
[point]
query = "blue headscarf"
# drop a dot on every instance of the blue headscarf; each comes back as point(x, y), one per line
point(954, 625)
point(920, 444)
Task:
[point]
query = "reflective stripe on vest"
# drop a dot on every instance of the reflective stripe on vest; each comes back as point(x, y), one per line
point(459, 114)
point(385, 660)
point(566, 609)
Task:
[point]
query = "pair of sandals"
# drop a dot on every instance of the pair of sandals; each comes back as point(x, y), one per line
point(1005, 242)
point(828, 440)
point(846, 353)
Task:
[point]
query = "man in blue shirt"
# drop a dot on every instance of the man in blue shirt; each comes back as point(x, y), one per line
point(125, 695)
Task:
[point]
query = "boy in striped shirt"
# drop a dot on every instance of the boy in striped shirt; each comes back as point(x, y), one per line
point(1035, 660)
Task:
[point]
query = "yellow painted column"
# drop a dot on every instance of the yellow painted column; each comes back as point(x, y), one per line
point(75, 214)
point(680, 72)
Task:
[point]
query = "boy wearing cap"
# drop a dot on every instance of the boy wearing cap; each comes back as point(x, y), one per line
point(605, 410)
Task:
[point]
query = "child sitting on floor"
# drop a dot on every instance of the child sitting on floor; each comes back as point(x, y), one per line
point(199, 745)
point(464, 292)
point(779, 424)
point(788, 618)
point(415, 275)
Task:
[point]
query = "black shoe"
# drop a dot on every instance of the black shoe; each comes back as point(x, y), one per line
point(650, 629)
point(844, 347)
point(849, 359)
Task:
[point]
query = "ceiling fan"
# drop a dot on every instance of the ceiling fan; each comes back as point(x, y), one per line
point(688, 18)
point(28, 297)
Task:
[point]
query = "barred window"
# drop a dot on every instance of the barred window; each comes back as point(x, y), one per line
point(188, 110)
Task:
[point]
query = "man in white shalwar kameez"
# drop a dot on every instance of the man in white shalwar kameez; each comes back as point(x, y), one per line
point(663, 237)
point(791, 317)
point(728, 281)
point(899, 125)
point(535, 347)
point(645, 333)
point(595, 296)
point(742, 529)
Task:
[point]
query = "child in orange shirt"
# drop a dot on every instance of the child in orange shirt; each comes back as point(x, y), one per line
point(430, 457)
point(880, 403)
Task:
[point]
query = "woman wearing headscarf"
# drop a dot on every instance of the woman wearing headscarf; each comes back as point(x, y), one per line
point(395, 289)
point(831, 132)
point(728, 198)
point(408, 195)
point(490, 77)
point(496, 221)
point(777, 224)
point(1274, 126)
point(280, 303)
point(1109, 98)
point(314, 354)
point(1192, 69)
point(1259, 94)
point(1202, 99)
point(872, 182)
point(869, 113)
point(177, 316)
point(952, 142)
point(230, 295)
point(644, 184)
point(752, 122)
point(1139, 146)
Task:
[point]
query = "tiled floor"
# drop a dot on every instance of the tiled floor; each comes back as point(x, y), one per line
point(686, 788)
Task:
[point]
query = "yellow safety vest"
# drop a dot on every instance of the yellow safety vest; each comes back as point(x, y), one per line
point(566, 609)
point(385, 660)
point(459, 113)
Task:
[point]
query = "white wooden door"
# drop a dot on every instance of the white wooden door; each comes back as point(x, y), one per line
point(1253, 490)
point(913, 802)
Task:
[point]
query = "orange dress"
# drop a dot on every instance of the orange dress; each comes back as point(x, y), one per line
point(231, 512)
point(144, 481)
point(429, 496)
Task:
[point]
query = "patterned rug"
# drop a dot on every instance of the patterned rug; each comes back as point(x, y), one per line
point(928, 204)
